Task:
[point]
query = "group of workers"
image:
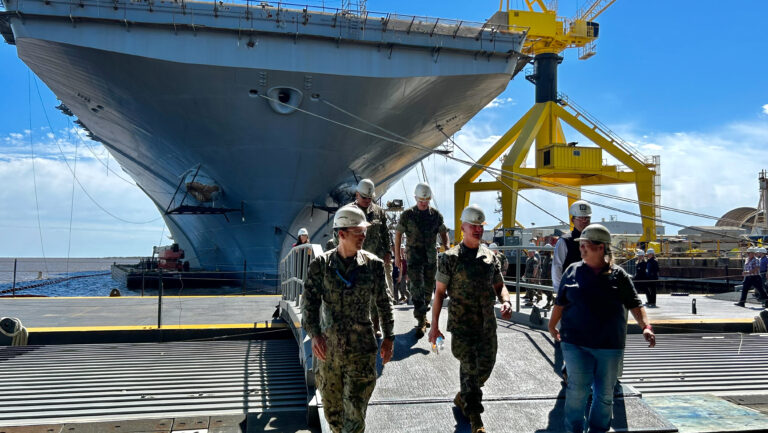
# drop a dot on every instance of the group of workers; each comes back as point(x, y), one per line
point(347, 292)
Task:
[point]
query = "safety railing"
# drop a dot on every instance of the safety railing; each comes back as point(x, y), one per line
point(517, 263)
point(293, 270)
point(302, 13)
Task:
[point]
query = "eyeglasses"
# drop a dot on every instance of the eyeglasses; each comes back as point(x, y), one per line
point(356, 232)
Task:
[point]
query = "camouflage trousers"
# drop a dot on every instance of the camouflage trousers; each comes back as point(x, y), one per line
point(346, 382)
point(390, 289)
point(422, 277)
point(476, 353)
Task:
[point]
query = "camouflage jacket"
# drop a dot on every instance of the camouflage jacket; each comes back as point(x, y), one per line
point(470, 281)
point(377, 239)
point(336, 300)
point(421, 229)
point(503, 262)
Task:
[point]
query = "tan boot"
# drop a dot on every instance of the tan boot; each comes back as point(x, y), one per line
point(421, 327)
point(477, 423)
point(460, 404)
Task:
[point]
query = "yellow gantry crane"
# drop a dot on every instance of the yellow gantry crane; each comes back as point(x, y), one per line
point(560, 165)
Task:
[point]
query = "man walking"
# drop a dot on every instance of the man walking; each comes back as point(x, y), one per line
point(342, 283)
point(752, 279)
point(566, 248)
point(377, 239)
point(469, 274)
point(421, 224)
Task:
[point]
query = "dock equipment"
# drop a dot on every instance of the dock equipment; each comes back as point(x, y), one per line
point(560, 166)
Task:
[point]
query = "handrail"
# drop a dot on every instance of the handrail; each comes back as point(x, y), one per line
point(604, 130)
point(293, 270)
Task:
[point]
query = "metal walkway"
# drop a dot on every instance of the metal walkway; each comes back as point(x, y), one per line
point(99, 382)
point(415, 391)
point(698, 363)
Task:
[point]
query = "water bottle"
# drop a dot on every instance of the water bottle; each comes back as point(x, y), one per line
point(438, 345)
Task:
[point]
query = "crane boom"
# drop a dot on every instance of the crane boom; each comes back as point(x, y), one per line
point(594, 10)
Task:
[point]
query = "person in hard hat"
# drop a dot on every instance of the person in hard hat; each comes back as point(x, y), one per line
point(752, 279)
point(531, 277)
point(566, 248)
point(470, 274)
point(503, 262)
point(377, 239)
point(545, 277)
point(421, 224)
point(641, 275)
point(761, 256)
point(591, 309)
point(651, 277)
point(403, 295)
point(342, 283)
point(302, 237)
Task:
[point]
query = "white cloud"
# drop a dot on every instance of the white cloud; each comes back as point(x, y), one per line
point(94, 233)
point(498, 102)
point(765, 109)
point(705, 172)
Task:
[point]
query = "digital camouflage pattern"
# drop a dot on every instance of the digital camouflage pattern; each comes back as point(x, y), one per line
point(503, 262)
point(477, 356)
point(342, 314)
point(470, 282)
point(421, 229)
point(353, 374)
point(377, 238)
point(469, 277)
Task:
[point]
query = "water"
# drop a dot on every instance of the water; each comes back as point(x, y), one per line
point(94, 280)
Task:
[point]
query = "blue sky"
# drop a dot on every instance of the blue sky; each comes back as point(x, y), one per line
point(684, 80)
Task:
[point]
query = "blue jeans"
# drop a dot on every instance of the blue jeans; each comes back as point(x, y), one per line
point(590, 368)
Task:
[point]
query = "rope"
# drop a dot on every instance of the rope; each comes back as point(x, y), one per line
point(18, 333)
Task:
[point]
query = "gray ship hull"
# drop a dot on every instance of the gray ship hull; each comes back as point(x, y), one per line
point(168, 98)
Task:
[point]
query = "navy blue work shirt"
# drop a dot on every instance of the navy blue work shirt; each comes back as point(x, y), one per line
point(595, 306)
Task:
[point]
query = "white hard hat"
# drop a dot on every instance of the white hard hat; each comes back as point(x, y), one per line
point(493, 246)
point(473, 214)
point(650, 251)
point(580, 208)
point(761, 250)
point(595, 233)
point(640, 253)
point(366, 188)
point(423, 191)
point(303, 231)
point(548, 247)
point(751, 250)
point(349, 216)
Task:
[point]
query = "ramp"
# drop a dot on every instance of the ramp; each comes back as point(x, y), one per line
point(226, 380)
point(524, 394)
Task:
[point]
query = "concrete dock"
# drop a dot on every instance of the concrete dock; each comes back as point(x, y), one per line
point(686, 382)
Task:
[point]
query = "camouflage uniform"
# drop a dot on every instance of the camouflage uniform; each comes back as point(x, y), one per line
point(377, 241)
point(503, 263)
point(471, 317)
point(348, 375)
point(421, 229)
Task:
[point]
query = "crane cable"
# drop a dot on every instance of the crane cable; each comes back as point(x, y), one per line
point(498, 179)
point(34, 171)
point(75, 177)
point(408, 142)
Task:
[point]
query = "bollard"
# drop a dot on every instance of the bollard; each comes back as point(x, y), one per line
point(693, 306)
